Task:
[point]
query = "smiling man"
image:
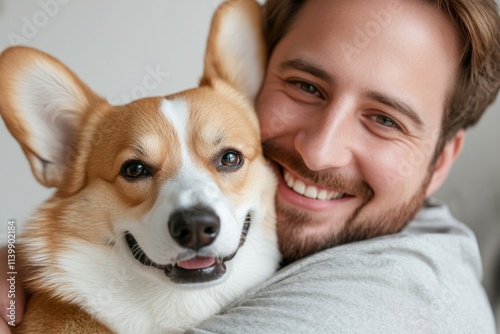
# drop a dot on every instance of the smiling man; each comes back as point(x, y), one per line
point(356, 154)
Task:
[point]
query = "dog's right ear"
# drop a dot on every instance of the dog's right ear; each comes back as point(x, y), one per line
point(236, 48)
point(43, 105)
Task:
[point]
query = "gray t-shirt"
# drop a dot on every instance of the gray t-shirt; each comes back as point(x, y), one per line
point(425, 279)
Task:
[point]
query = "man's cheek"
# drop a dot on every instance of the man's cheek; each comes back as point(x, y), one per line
point(275, 119)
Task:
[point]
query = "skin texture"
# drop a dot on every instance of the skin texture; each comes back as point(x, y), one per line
point(354, 105)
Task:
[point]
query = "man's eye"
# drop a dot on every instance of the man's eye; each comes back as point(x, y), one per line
point(307, 87)
point(386, 121)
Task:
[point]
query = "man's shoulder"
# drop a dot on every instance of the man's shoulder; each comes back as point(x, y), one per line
point(435, 218)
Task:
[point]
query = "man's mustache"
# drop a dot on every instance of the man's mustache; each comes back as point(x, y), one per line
point(325, 178)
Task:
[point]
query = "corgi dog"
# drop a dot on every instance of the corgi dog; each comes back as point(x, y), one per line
point(164, 208)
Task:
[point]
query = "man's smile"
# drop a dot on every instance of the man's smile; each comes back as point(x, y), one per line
point(301, 187)
point(304, 193)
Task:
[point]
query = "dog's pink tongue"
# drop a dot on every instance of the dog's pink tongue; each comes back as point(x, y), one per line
point(197, 263)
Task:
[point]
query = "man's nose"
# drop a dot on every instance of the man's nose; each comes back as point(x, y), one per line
point(327, 140)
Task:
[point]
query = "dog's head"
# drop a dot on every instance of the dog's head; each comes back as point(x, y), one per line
point(171, 183)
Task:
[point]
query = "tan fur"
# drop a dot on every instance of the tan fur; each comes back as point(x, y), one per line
point(45, 313)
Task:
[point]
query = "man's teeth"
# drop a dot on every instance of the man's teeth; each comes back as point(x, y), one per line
point(309, 191)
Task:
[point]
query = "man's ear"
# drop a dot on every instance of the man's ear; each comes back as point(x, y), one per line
point(236, 48)
point(445, 161)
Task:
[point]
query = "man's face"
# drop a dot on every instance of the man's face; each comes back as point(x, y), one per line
point(351, 111)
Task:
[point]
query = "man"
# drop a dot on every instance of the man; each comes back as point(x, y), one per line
point(363, 110)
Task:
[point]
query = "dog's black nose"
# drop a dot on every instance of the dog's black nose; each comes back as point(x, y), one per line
point(194, 227)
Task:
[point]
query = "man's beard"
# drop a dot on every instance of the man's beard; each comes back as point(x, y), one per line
point(293, 242)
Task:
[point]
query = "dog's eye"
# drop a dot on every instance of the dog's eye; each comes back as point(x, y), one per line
point(230, 160)
point(134, 170)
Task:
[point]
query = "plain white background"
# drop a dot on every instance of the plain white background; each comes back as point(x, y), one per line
point(114, 45)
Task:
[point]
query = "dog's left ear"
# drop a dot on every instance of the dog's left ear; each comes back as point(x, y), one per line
point(236, 48)
point(44, 106)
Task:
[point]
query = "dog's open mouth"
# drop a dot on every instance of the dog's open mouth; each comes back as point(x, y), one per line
point(195, 270)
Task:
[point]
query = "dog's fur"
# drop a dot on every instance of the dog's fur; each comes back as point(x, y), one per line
point(87, 276)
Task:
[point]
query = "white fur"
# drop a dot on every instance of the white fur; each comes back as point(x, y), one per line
point(177, 113)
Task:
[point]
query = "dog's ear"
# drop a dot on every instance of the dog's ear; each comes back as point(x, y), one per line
point(236, 48)
point(43, 105)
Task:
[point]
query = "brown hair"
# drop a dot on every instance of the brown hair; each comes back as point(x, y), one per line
point(478, 82)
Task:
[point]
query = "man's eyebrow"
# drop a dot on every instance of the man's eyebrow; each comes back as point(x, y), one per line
point(302, 65)
point(395, 104)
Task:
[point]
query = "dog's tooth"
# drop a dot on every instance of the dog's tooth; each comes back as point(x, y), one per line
point(311, 192)
point(322, 195)
point(290, 182)
point(299, 187)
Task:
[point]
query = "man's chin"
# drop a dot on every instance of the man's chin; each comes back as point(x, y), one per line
point(302, 234)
